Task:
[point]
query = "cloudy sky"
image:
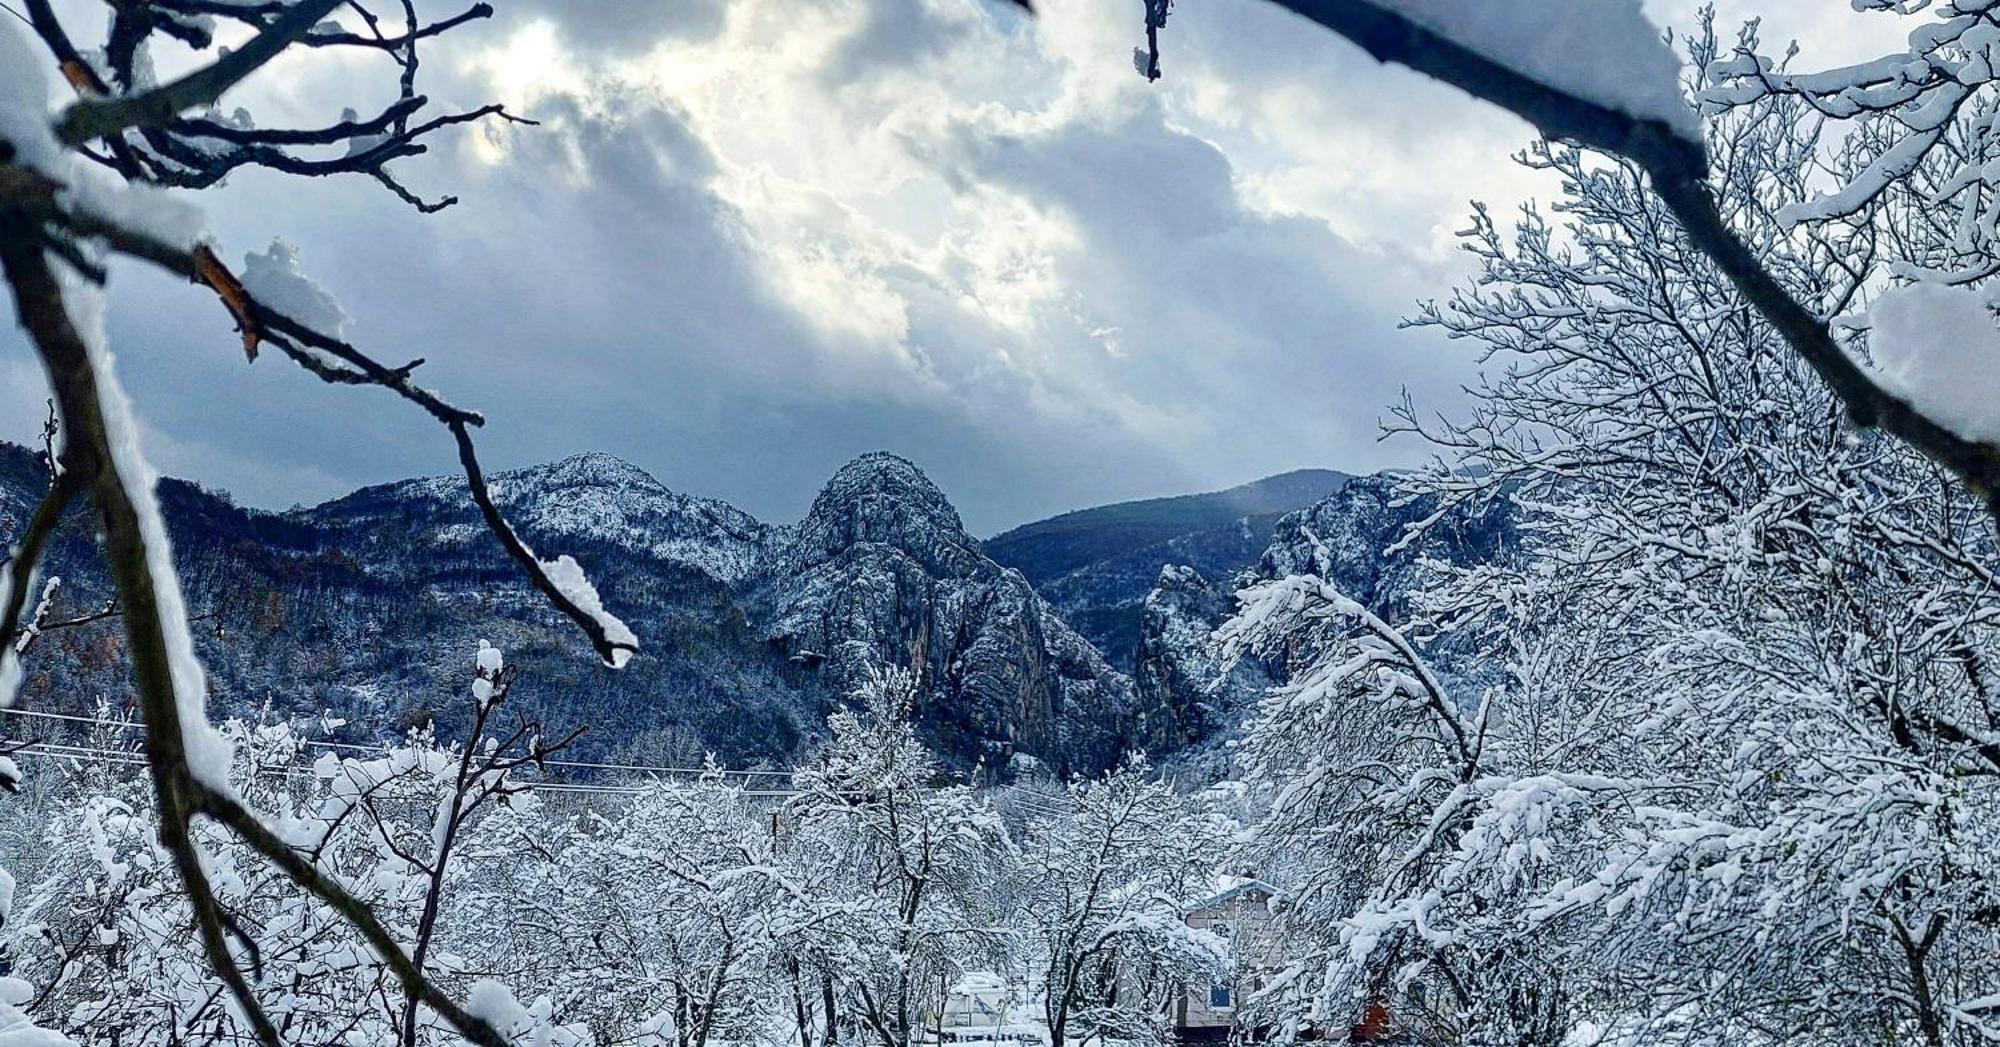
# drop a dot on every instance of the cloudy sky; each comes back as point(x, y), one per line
point(751, 239)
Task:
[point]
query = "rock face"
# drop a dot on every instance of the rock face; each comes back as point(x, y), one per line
point(368, 607)
point(1356, 528)
point(1190, 694)
point(881, 570)
point(1344, 538)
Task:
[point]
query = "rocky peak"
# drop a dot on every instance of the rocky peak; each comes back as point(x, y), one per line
point(884, 499)
point(881, 570)
point(589, 469)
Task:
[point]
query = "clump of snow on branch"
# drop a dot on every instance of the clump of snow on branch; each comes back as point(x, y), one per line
point(1939, 348)
point(489, 665)
point(25, 96)
point(209, 754)
point(1601, 51)
point(489, 658)
point(494, 1002)
point(567, 575)
point(530, 1026)
point(274, 278)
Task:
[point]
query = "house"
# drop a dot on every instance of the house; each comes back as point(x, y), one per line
point(1238, 912)
point(978, 1009)
point(978, 1000)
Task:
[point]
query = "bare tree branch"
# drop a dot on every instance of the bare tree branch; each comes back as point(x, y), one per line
point(1679, 173)
point(38, 298)
point(98, 118)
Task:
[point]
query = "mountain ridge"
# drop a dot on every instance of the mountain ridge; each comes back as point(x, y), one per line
point(363, 605)
point(1097, 565)
point(1161, 518)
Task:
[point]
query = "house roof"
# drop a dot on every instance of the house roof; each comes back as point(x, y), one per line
point(1227, 887)
point(979, 982)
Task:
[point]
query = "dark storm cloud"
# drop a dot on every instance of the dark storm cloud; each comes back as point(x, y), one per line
point(752, 240)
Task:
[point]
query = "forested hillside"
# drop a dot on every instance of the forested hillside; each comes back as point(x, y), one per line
point(1097, 565)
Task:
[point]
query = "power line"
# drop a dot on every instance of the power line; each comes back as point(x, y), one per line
point(354, 747)
point(76, 753)
point(1030, 801)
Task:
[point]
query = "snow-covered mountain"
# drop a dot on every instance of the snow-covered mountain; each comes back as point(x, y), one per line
point(368, 605)
point(1180, 671)
point(593, 499)
point(1097, 565)
point(881, 570)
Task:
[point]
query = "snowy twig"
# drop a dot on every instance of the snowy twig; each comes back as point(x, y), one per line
point(20, 567)
point(479, 776)
point(193, 150)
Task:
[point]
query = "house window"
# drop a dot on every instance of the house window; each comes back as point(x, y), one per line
point(1221, 996)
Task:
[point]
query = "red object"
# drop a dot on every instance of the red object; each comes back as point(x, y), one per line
point(1373, 1026)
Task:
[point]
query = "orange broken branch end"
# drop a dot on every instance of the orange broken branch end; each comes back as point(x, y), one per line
point(210, 270)
point(82, 78)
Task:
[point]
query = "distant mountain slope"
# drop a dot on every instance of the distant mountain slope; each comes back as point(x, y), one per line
point(1047, 549)
point(368, 607)
point(1345, 538)
point(1097, 565)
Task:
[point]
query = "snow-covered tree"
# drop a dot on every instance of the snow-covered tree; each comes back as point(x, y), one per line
point(1103, 891)
point(99, 931)
point(1711, 756)
point(649, 920)
point(906, 849)
point(1598, 74)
